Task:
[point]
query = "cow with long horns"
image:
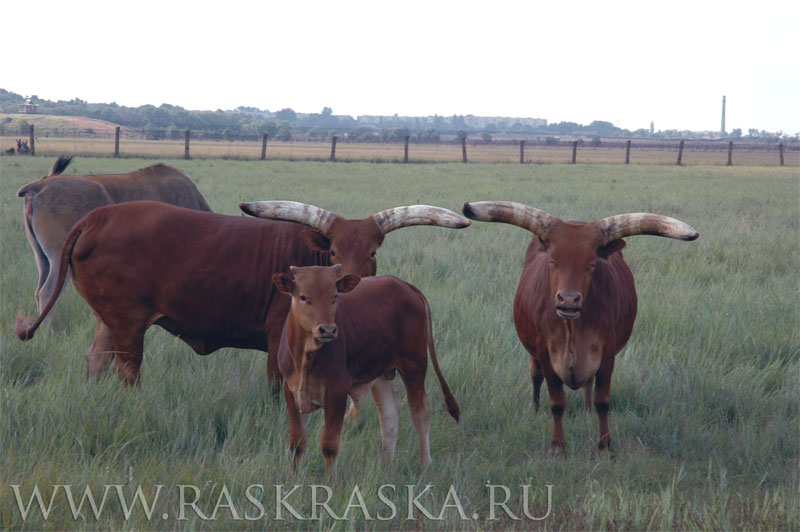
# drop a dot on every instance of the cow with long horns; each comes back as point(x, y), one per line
point(334, 346)
point(576, 300)
point(205, 277)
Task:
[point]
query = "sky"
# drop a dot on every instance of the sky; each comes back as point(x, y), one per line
point(624, 62)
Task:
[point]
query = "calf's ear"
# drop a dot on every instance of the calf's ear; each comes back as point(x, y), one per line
point(609, 249)
point(347, 283)
point(316, 240)
point(283, 283)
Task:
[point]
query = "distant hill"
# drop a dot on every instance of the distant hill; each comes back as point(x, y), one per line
point(17, 124)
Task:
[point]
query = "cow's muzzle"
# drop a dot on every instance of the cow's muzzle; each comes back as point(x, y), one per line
point(325, 333)
point(568, 304)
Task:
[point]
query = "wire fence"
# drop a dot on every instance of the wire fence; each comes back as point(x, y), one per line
point(172, 144)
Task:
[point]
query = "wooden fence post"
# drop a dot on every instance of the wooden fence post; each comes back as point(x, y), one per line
point(333, 149)
point(464, 149)
point(680, 153)
point(32, 142)
point(264, 146)
point(574, 151)
point(186, 147)
point(521, 151)
point(730, 153)
point(405, 153)
point(780, 152)
point(116, 142)
point(628, 152)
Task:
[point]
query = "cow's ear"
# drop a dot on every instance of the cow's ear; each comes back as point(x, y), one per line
point(283, 283)
point(609, 249)
point(347, 283)
point(316, 240)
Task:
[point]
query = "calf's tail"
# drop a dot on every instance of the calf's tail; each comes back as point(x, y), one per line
point(25, 325)
point(449, 400)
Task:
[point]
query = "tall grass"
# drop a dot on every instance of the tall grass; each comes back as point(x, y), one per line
point(705, 398)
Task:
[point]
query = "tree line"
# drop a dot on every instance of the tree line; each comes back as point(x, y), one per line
point(169, 121)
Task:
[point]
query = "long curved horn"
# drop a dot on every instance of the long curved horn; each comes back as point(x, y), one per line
point(398, 217)
point(643, 223)
point(519, 214)
point(291, 211)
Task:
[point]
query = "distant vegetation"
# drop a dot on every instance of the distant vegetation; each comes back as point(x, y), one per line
point(169, 121)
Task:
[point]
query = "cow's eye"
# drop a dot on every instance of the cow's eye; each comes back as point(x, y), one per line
point(592, 266)
point(372, 255)
point(303, 298)
point(333, 253)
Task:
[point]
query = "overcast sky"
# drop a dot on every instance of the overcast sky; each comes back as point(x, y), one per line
point(623, 62)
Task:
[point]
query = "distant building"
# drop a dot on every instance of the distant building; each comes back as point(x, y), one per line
point(28, 108)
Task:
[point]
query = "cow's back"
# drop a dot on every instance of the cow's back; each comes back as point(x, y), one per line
point(157, 183)
point(383, 316)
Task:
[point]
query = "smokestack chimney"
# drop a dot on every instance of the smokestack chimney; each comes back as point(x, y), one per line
point(722, 130)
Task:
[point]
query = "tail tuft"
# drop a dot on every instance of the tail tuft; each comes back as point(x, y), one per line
point(24, 329)
point(452, 407)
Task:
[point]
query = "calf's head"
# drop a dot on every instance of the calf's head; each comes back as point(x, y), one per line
point(352, 243)
point(314, 291)
point(575, 248)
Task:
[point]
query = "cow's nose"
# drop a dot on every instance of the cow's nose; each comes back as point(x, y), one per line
point(570, 299)
point(327, 329)
point(326, 332)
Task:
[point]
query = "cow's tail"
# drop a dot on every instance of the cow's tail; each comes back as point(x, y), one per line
point(449, 400)
point(25, 325)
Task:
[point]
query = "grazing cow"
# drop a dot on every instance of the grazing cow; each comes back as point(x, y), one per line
point(206, 277)
point(54, 203)
point(576, 301)
point(332, 347)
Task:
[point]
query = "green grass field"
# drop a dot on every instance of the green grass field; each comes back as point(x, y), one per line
point(705, 402)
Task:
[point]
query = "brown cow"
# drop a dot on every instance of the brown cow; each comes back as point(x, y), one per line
point(205, 277)
point(576, 301)
point(54, 203)
point(332, 347)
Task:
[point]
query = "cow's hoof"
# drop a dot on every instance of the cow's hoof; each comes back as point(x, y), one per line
point(605, 446)
point(558, 450)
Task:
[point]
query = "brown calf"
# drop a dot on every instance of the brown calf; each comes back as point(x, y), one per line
point(332, 347)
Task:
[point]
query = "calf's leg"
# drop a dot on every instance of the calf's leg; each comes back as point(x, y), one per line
point(332, 432)
point(297, 426)
point(419, 405)
point(389, 413)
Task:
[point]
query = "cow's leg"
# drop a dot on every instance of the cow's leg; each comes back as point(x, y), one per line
point(297, 427)
point(357, 395)
point(536, 379)
point(332, 432)
point(602, 401)
point(389, 413)
point(100, 351)
point(587, 397)
point(558, 404)
point(128, 352)
point(418, 403)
